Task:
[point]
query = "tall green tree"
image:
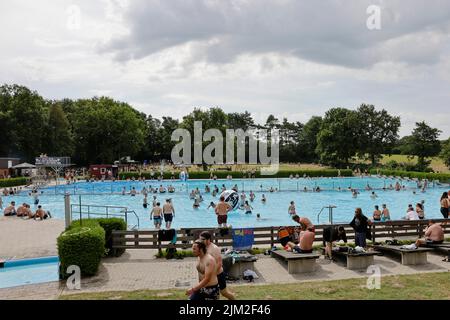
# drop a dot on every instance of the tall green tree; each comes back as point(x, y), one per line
point(59, 140)
point(337, 141)
point(308, 140)
point(378, 132)
point(22, 121)
point(106, 130)
point(424, 143)
point(445, 152)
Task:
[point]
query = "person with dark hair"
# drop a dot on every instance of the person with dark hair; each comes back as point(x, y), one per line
point(445, 204)
point(434, 234)
point(208, 286)
point(331, 234)
point(360, 223)
point(168, 212)
point(10, 210)
point(304, 222)
point(221, 210)
point(214, 250)
point(377, 214)
point(419, 211)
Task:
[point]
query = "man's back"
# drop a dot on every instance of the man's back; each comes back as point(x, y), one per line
point(222, 208)
point(435, 232)
point(306, 240)
point(214, 251)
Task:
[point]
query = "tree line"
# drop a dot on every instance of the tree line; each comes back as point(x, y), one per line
point(102, 130)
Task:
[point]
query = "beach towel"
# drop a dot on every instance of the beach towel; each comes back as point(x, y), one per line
point(243, 239)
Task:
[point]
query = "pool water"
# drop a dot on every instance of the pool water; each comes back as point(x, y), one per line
point(29, 271)
point(273, 212)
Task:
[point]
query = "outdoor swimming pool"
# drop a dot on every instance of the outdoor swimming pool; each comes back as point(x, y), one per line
point(29, 271)
point(273, 212)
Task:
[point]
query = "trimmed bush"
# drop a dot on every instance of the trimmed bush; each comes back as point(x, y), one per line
point(241, 174)
point(83, 247)
point(443, 177)
point(108, 224)
point(13, 182)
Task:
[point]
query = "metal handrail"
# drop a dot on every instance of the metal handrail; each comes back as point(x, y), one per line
point(86, 209)
point(330, 213)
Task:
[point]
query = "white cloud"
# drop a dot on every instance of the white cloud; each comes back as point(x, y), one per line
point(294, 59)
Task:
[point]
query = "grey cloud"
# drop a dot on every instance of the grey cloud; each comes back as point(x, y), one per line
point(330, 32)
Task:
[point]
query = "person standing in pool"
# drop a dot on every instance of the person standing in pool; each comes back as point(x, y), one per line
point(263, 199)
point(221, 210)
point(169, 213)
point(291, 209)
point(247, 208)
point(156, 215)
point(252, 196)
point(145, 203)
point(445, 204)
point(385, 214)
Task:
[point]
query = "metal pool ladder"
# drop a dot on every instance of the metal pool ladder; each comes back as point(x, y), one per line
point(330, 213)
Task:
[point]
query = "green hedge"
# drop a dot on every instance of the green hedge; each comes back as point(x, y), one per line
point(443, 177)
point(240, 174)
point(108, 224)
point(12, 182)
point(83, 247)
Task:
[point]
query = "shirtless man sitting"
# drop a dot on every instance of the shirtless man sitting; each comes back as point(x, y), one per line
point(41, 213)
point(434, 234)
point(10, 210)
point(21, 211)
point(214, 250)
point(208, 286)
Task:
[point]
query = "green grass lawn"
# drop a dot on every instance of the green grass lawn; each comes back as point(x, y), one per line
point(436, 163)
point(423, 286)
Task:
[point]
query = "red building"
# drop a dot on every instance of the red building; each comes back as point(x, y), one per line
point(103, 171)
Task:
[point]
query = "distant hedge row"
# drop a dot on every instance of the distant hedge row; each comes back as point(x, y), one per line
point(84, 244)
point(443, 177)
point(12, 182)
point(240, 174)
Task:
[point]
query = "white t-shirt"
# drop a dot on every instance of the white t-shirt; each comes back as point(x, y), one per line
point(412, 215)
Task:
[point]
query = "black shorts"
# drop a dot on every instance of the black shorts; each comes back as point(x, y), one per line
point(168, 217)
point(222, 281)
point(144, 205)
point(444, 212)
point(429, 241)
point(326, 236)
point(206, 293)
point(285, 240)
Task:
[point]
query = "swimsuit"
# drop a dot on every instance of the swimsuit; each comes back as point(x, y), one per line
point(206, 293)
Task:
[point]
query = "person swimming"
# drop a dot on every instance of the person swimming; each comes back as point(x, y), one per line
point(248, 208)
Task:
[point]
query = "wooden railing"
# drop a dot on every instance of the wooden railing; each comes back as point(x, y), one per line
point(148, 239)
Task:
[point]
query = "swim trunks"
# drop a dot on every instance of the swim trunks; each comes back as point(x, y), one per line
point(206, 293)
point(168, 217)
point(221, 219)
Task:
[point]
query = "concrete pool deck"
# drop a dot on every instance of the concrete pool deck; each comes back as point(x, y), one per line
point(24, 238)
point(140, 269)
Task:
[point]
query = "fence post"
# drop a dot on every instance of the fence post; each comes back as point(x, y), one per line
point(68, 214)
point(271, 238)
point(136, 238)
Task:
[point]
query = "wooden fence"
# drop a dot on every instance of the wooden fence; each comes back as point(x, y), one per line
point(264, 236)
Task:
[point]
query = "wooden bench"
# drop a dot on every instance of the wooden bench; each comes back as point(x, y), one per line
point(356, 260)
point(409, 257)
point(297, 262)
point(442, 247)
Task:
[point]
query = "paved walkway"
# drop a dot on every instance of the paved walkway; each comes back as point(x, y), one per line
point(21, 238)
point(139, 269)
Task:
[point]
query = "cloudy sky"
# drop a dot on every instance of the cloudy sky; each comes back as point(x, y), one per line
point(292, 58)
